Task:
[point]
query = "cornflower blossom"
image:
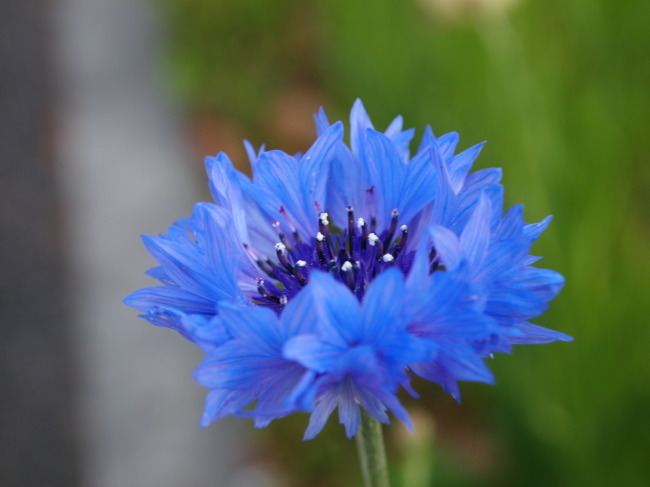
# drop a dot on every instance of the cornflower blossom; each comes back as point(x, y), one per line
point(332, 277)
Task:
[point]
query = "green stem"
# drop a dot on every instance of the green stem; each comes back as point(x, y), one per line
point(372, 455)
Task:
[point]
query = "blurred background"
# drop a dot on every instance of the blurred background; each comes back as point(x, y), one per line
point(107, 110)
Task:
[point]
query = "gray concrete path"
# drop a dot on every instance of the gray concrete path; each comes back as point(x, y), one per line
point(125, 171)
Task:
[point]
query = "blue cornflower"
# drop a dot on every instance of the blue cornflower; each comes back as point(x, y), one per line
point(331, 277)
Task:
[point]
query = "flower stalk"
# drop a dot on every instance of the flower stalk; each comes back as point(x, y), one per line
point(372, 454)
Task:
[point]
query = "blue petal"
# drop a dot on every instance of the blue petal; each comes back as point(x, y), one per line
point(346, 185)
point(314, 167)
point(223, 402)
point(170, 297)
point(204, 267)
point(159, 274)
point(251, 153)
point(313, 352)
point(257, 327)
point(387, 173)
point(400, 139)
point(463, 363)
point(461, 164)
point(447, 308)
point(544, 283)
point(475, 238)
point(322, 123)
point(373, 405)
point(511, 304)
point(448, 143)
point(448, 246)
point(534, 230)
point(207, 333)
point(360, 361)
point(277, 172)
point(419, 188)
point(326, 305)
point(382, 304)
point(445, 204)
point(511, 224)
point(395, 127)
point(359, 123)
point(349, 414)
point(534, 334)
point(226, 191)
point(324, 408)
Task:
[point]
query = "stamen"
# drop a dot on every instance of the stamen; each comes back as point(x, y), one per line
point(323, 219)
point(394, 216)
point(361, 223)
point(374, 241)
point(298, 275)
point(370, 198)
point(432, 253)
point(287, 218)
point(264, 293)
point(354, 255)
point(320, 250)
point(402, 241)
point(349, 275)
point(323, 229)
point(271, 264)
point(266, 268)
point(350, 229)
point(265, 264)
point(433, 258)
point(282, 236)
point(280, 250)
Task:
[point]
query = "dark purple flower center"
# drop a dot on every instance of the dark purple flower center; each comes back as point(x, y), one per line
point(354, 253)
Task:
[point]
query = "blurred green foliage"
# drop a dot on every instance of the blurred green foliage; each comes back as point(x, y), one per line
point(560, 91)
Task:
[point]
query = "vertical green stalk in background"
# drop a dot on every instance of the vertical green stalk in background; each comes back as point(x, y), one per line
point(372, 454)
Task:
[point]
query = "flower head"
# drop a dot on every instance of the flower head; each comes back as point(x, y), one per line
point(331, 276)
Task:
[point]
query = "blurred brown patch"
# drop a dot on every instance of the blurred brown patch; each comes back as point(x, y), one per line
point(454, 430)
point(211, 134)
point(289, 119)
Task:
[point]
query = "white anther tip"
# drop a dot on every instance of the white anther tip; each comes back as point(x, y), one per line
point(320, 237)
point(283, 300)
point(301, 263)
point(360, 222)
point(404, 228)
point(347, 266)
point(388, 258)
point(280, 247)
point(276, 223)
point(372, 239)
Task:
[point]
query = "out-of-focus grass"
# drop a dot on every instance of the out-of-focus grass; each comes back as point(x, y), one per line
point(560, 91)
